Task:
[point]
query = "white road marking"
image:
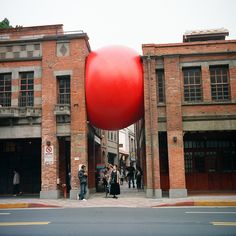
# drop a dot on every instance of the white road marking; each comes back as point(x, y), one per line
point(4, 213)
point(210, 212)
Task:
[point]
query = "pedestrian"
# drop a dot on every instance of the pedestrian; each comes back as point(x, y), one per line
point(138, 176)
point(105, 181)
point(122, 175)
point(16, 183)
point(114, 181)
point(83, 178)
point(130, 175)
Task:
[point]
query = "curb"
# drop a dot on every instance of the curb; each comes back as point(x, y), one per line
point(24, 205)
point(199, 203)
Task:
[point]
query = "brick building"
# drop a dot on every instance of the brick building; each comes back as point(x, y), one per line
point(43, 123)
point(186, 141)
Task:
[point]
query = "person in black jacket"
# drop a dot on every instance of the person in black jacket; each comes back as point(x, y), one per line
point(138, 176)
point(130, 175)
point(114, 181)
point(83, 178)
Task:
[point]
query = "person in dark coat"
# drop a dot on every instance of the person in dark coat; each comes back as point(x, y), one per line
point(83, 178)
point(114, 181)
point(138, 176)
point(130, 175)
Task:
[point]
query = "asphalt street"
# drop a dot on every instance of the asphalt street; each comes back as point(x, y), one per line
point(119, 221)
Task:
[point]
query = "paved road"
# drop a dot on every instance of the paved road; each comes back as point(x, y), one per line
point(119, 221)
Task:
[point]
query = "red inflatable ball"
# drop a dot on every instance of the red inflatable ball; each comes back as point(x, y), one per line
point(114, 87)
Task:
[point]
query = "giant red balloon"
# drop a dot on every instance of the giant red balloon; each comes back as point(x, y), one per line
point(114, 87)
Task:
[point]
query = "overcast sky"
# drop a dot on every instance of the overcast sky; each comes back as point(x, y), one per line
point(125, 22)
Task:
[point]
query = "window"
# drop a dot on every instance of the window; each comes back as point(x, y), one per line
point(5, 90)
point(63, 89)
point(219, 83)
point(192, 84)
point(160, 86)
point(26, 89)
point(188, 160)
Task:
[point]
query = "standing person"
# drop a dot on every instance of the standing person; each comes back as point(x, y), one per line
point(114, 181)
point(130, 175)
point(16, 183)
point(83, 178)
point(105, 181)
point(138, 176)
point(122, 176)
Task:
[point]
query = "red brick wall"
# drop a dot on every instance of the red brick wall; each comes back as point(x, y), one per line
point(189, 48)
point(151, 129)
point(174, 123)
point(75, 63)
point(173, 55)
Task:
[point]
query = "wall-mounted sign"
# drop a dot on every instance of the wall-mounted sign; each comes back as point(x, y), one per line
point(48, 154)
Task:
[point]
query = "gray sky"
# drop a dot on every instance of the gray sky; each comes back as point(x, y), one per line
point(125, 22)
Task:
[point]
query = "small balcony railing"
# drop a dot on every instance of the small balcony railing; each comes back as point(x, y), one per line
point(62, 109)
point(11, 112)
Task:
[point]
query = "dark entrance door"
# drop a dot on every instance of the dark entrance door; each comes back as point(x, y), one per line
point(25, 156)
point(64, 164)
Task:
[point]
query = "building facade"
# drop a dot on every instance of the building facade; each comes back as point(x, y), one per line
point(127, 146)
point(44, 131)
point(186, 141)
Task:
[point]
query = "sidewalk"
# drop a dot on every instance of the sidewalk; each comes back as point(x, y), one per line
point(129, 198)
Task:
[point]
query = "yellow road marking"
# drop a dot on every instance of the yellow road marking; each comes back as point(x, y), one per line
point(224, 223)
point(23, 223)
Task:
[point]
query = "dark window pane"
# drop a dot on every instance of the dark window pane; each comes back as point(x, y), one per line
point(63, 89)
point(161, 86)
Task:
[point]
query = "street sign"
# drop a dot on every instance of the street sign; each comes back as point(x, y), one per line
point(48, 154)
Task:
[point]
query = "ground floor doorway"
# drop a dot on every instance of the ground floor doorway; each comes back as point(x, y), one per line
point(210, 161)
point(64, 164)
point(24, 155)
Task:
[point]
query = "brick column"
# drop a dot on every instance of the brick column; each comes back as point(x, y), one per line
point(79, 130)
point(151, 130)
point(174, 127)
point(206, 84)
point(50, 170)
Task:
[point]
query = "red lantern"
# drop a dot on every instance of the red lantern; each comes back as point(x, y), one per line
point(114, 87)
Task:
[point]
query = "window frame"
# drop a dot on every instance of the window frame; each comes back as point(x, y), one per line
point(26, 91)
point(192, 88)
point(160, 81)
point(219, 85)
point(63, 98)
point(5, 94)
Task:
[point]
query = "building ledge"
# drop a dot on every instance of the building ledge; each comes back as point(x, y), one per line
point(210, 103)
point(11, 112)
point(62, 109)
